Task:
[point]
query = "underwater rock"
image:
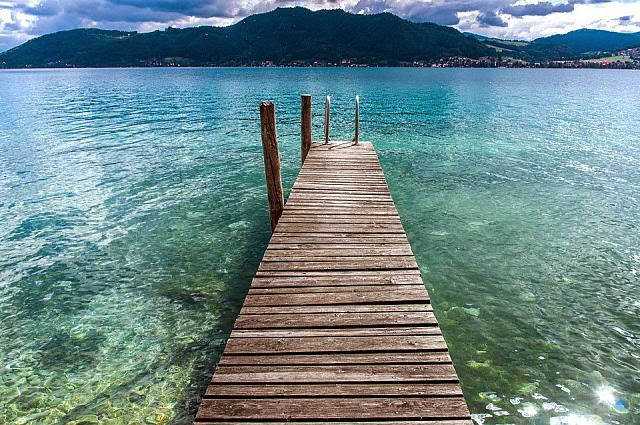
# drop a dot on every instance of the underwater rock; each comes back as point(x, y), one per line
point(576, 420)
point(492, 407)
point(479, 418)
point(242, 224)
point(475, 365)
point(489, 395)
point(527, 297)
point(471, 311)
point(85, 420)
point(528, 410)
point(439, 233)
point(528, 388)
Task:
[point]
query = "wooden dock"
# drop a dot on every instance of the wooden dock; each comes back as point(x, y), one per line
point(337, 326)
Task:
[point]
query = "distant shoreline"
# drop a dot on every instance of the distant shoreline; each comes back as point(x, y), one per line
point(635, 68)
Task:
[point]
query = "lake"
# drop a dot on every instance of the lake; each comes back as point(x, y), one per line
point(133, 215)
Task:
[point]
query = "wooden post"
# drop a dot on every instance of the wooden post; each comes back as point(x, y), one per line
point(357, 136)
point(326, 119)
point(271, 162)
point(305, 131)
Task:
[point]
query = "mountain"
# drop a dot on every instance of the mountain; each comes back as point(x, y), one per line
point(283, 36)
point(588, 40)
point(572, 45)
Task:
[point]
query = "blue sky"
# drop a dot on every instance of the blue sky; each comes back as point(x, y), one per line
point(21, 20)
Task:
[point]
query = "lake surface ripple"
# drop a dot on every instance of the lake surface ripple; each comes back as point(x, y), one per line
point(133, 216)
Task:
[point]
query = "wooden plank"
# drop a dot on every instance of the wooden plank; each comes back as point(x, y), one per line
point(340, 197)
point(267, 281)
point(332, 247)
point(331, 289)
point(332, 236)
point(403, 422)
point(350, 331)
point(334, 257)
point(313, 209)
point(415, 357)
point(339, 178)
point(351, 254)
point(341, 308)
point(360, 228)
point(334, 344)
point(407, 296)
point(335, 390)
point(343, 274)
point(389, 238)
point(247, 321)
point(334, 408)
point(298, 218)
point(389, 263)
point(271, 374)
point(351, 274)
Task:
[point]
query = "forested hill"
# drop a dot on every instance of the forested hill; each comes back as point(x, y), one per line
point(285, 36)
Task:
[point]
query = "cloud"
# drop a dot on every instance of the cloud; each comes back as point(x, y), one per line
point(545, 8)
point(444, 12)
point(491, 19)
point(537, 9)
point(24, 19)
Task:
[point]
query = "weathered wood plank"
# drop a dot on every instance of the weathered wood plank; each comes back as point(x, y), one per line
point(334, 408)
point(389, 238)
point(340, 308)
point(247, 321)
point(350, 331)
point(271, 374)
point(389, 263)
point(415, 357)
point(335, 390)
point(406, 296)
point(330, 289)
point(351, 422)
point(360, 228)
point(336, 258)
point(399, 246)
point(276, 250)
point(313, 209)
point(403, 422)
point(270, 280)
point(351, 274)
point(334, 344)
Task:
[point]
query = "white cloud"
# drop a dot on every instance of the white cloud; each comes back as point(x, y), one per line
point(598, 16)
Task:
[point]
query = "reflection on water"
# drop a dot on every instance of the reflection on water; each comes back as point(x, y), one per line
point(132, 217)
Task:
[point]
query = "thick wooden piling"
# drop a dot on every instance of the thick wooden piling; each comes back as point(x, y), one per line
point(327, 106)
point(305, 124)
point(356, 138)
point(271, 162)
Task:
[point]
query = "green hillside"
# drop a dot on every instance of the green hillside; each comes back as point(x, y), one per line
point(283, 36)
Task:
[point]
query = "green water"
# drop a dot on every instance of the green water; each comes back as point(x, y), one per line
point(133, 216)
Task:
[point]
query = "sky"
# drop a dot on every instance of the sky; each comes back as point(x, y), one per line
point(21, 20)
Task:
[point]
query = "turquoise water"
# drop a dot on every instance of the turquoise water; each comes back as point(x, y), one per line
point(133, 216)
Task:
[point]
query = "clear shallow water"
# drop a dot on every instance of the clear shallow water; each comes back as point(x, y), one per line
point(133, 216)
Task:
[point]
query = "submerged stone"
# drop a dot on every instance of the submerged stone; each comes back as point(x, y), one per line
point(242, 224)
point(476, 365)
point(86, 420)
